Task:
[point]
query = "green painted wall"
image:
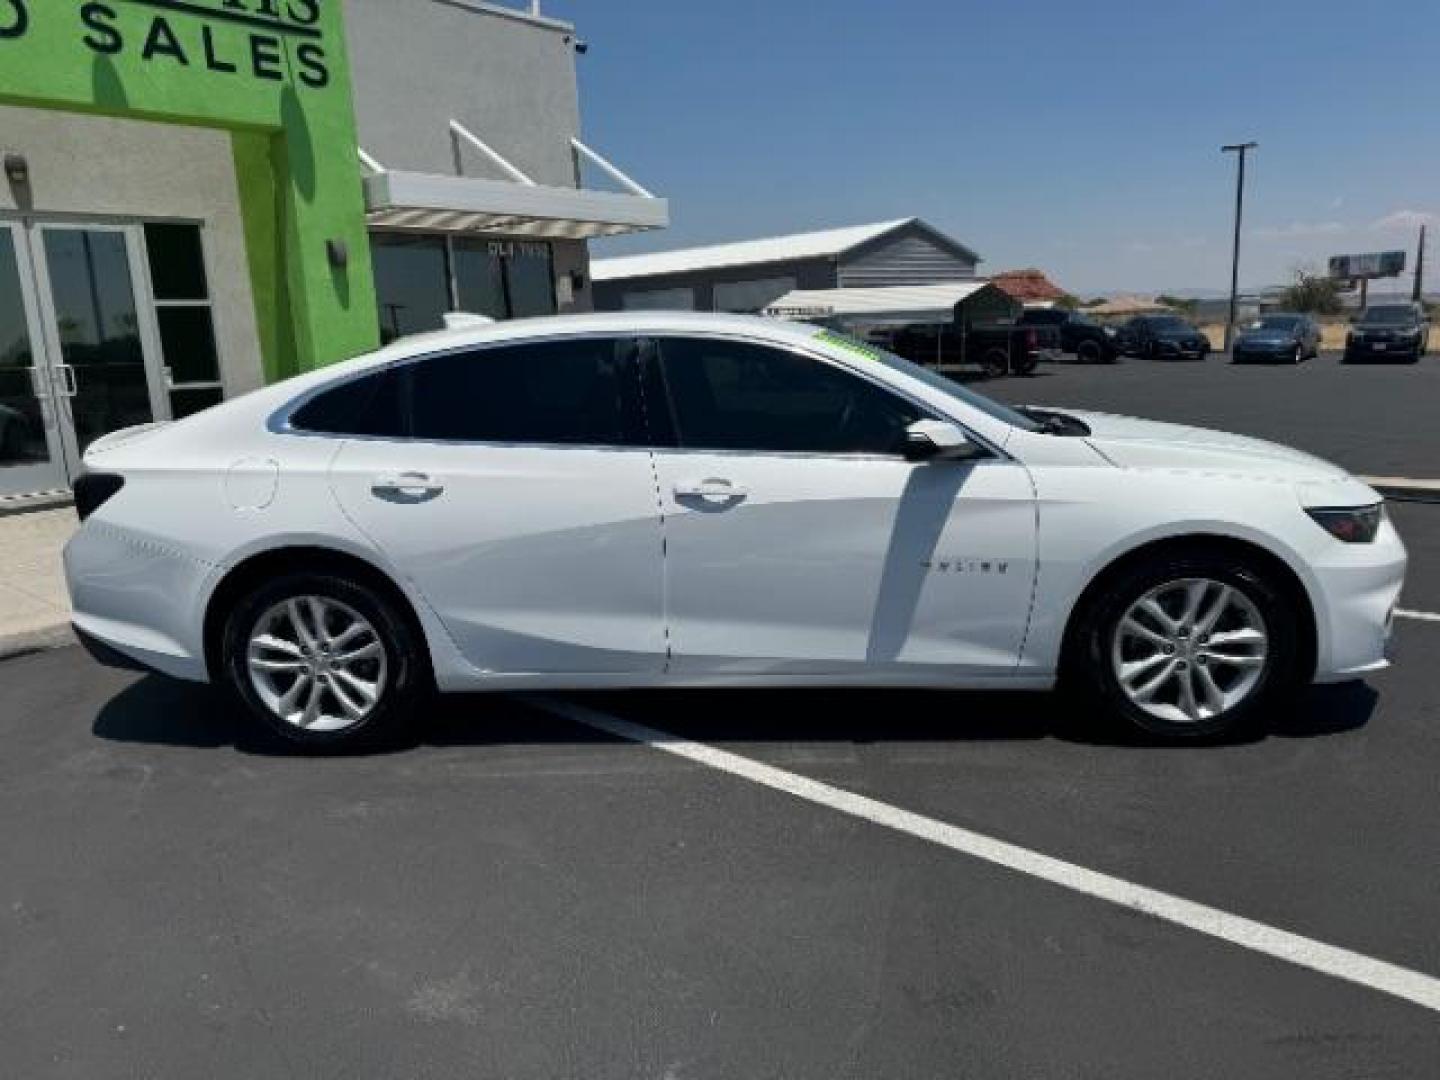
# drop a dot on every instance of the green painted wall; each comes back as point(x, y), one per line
point(273, 72)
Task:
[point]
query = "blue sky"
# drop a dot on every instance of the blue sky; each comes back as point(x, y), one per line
point(1080, 137)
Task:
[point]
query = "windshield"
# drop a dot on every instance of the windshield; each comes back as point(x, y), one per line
point(991, 408)
point(1389, 313)
point(1277, 322)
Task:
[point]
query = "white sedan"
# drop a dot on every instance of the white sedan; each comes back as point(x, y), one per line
point(665, 500)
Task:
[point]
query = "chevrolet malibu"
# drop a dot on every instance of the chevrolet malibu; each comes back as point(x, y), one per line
point(672, 500)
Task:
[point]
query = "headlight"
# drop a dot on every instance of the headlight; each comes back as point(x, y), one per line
point(1110, 331)
point(1351, 524)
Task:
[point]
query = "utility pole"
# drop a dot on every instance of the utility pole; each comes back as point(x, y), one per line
point(1242, 149)
point(1419, 295)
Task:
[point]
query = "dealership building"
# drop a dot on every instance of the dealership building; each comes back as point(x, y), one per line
point(200, 197)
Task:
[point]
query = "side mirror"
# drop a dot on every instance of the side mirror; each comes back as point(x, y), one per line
point(936, 440)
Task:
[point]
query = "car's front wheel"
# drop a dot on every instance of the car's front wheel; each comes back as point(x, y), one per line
point(324, 660)
point(1189, 645)
point(1089, 352)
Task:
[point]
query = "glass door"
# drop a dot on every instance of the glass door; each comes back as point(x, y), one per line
point(99, 331)
point(31, 444)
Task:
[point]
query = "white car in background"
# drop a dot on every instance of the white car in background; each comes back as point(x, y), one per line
point(668, 500)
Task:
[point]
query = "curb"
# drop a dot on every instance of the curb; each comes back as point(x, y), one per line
point(1404, 489)
point(58, 636)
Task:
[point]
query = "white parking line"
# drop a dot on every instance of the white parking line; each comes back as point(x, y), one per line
point(1387, 978)
point(1423, 616)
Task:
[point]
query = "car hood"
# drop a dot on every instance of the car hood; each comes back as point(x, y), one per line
point(1269, 337)
point(1177, 335)
point(1132, 443)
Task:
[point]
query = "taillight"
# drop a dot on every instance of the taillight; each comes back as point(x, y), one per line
point(1032, 339)
point(93, 490)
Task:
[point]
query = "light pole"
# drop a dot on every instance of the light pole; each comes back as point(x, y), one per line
point(1242, 149)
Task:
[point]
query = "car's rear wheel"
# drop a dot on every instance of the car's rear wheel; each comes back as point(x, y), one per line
point(1189, 645)
point(995, 363)
point(1088, 352)
point(324, 660)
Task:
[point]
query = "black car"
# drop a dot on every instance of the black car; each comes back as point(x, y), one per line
point(1398, 332)
point(1280, 337)
point(1079, 334)
point(1162, 337)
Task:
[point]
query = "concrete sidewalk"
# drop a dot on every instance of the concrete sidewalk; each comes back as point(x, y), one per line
point(34, 608)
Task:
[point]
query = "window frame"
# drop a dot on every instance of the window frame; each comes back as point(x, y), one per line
point(672, 428)
point(399, 369)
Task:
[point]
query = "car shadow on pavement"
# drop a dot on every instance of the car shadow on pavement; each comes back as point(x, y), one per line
point(162, 712)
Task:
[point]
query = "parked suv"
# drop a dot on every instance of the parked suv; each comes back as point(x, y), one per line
point(1398, 332)
point(1079, 334)
point(1162, 337)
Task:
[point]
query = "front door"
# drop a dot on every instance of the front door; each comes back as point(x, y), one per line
point(77, 335)
point(800, 541)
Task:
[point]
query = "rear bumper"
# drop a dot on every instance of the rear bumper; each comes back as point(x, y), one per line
point(1381, 354)
point(136, 600)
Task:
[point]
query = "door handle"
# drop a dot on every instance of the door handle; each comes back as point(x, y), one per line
point(70, 386)
point(406, 487)
point(712, 488)
point(38, 384)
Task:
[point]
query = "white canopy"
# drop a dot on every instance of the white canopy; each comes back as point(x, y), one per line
point(892, 304)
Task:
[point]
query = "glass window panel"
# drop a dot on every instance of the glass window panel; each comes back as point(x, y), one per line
point(177, 264)
point(369, 405)
point(557, 392)
point(185, 403)
point(532, 287)
point(480, 278)
point(187, 342)
point(412, 283)
point(732, 396)
point(95, 313)
point(22, 425)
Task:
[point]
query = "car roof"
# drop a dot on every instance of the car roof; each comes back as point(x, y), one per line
point(612, 322)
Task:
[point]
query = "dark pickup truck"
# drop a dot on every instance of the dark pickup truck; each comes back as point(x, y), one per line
point(997, 347)
point(1080, 335)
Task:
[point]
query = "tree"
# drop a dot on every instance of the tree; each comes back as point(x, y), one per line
point(1313, 293)
point(1178, 303)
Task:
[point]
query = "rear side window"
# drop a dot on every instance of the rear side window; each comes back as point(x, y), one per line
point(369, 405)
point(577, 391)
point(730, 395)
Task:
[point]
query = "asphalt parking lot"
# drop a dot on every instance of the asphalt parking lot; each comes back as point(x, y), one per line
point(525, 893)
point(1375, 419)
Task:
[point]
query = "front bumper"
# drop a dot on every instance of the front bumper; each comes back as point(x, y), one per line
point(1382, 350)
point(1265, 354)
point(1358, 590)
point(1174, 350)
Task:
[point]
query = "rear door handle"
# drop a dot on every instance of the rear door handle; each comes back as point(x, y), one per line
point(406, 487)
point(713, 489)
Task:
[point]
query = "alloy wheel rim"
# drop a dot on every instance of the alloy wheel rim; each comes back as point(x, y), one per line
point(317, 664)
point(1190, 650)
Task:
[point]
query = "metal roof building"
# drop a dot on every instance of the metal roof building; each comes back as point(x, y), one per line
point(748, 275)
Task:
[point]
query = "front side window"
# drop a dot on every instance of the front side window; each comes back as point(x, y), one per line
point(576, 391)
point(730, 395)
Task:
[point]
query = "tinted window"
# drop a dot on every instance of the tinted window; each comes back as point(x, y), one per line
point(729, 395)
point(550, 392)
point(369, 405)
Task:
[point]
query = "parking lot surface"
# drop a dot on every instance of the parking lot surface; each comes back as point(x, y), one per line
point(522, 895)
point(1375, 419)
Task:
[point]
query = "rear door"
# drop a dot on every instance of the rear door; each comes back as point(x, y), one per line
point(520, 502)
point(799, 540)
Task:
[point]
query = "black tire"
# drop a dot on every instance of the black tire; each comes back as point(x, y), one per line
point(995, 362)
point(1089, 352)
point(407, 670)
point(1089, 670)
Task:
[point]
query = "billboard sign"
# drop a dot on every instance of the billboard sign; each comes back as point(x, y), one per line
point(1378, 264)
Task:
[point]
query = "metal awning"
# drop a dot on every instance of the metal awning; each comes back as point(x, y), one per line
point(894, 304)
point(518, 206)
